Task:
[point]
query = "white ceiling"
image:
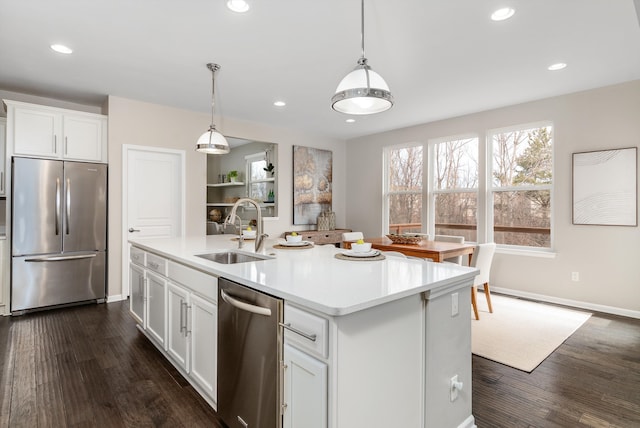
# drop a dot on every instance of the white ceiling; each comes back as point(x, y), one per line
point(441, 58)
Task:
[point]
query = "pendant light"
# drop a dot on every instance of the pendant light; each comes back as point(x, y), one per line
point(363, 91)
point(212, 142)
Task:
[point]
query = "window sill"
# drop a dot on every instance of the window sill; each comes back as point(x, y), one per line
point(529, 252)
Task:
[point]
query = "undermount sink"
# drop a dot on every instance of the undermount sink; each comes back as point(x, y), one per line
point(232, 257)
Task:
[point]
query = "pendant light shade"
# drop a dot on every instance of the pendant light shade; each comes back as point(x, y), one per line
point(363, 91)
point(212, 141)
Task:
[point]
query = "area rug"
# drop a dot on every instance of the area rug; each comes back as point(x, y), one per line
point(521, 333)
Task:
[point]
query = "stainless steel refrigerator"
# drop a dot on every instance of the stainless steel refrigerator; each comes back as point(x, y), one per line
point(59, 232)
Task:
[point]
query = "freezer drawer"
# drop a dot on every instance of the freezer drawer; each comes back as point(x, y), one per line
point(55, 279)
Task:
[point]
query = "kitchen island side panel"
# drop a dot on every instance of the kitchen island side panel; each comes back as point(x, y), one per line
point(379, 366)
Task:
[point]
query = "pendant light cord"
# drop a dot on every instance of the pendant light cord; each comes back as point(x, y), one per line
point(362, 26)
point(363, 60)
point(213, 68)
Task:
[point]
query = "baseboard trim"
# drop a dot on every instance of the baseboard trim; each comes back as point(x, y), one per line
point(116, 298)
point(568, 302)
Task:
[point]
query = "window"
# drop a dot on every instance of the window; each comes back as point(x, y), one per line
point(454, 187)
point(521, 181)
point(403, 189)
point(260, 180)
point(505, 198)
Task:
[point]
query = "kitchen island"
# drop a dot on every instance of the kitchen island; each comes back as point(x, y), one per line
point(391, 338)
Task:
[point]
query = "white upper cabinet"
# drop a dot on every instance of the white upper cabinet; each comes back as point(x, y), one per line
point(83, 138)
point(40, 131)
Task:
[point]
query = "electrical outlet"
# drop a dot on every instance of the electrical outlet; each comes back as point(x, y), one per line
point(454, 304)
point(575, 276)
point(454, 387)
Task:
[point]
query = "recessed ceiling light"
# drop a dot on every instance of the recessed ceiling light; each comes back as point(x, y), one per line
point(279, 103)
point(61, 49)
point(350, 120)
point(239, 6)
point(557, 66)
point(502, 14)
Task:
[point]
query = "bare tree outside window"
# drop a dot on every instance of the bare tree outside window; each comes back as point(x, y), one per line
point(404, 191)
point(522, 179)
point(455, 184)
point(519, 187)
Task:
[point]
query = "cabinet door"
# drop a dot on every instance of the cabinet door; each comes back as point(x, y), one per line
point(136, 296)
point(36, 132)
point(156, 298)
point(305, 390)
point(203, 328)
point(82, 138)
point(177, 343)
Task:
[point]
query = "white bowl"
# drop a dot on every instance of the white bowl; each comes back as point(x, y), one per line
point(361, 248)
point(249, 233)
point(294, 238)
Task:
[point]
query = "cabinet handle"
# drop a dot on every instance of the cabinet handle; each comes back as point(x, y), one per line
point(153, 265)
point(183, 326)
point(311, 337)
point(187, 326)
point(55, 143)
point(2, 181)
point(66, 144)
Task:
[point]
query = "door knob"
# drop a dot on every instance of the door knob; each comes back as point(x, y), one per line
point(131, 229)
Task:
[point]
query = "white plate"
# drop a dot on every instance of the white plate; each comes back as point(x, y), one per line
point(295, 244)
point(370, 253)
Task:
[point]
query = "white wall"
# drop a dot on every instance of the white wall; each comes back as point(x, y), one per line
point(139, 123)
point(607, 257)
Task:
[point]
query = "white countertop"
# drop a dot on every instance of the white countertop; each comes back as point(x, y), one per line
point(314, 277)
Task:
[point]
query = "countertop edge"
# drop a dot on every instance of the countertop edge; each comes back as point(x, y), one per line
point(450, 284)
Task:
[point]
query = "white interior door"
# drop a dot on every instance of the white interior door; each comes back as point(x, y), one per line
point(153, 197)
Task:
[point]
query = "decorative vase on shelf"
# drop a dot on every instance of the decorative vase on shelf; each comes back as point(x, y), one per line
point(323, 221)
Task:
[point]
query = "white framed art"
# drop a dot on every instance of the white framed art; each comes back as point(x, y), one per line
point(605, 187)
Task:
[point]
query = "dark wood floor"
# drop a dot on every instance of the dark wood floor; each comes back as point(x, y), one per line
point(591, 380)
point(88, 366)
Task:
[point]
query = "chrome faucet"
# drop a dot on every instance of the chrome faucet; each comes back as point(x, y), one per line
point(259, 235)
point(231, 220)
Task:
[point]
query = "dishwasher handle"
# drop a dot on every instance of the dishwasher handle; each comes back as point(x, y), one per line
point(259, 310)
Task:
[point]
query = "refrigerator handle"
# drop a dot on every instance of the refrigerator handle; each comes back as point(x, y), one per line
point(60, 258)
point(57, 214)
point(68, 204)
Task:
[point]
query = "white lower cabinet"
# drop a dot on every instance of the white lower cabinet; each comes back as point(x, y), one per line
point(137, 293)
point(203, 329)
point(305, 390)
point(156, 307)
point(177, 340)
point(176, 307)
point(192, 337)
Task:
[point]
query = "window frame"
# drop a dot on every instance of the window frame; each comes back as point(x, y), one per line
point(432, 192)
point(492, 190)
point(387, 193)
point(485, 190)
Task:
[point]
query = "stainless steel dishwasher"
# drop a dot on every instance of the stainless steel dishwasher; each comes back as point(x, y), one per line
point(249, 355)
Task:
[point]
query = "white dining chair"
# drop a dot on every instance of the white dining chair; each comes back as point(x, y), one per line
point(451, 238)
point(348, 237)
point(482, 259)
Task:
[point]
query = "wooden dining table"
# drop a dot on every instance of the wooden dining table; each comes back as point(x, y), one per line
point(437, 251)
